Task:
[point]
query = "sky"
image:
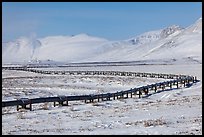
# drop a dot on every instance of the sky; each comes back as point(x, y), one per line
point(109, 20)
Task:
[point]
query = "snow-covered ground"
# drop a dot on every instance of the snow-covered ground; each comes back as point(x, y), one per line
point(176, 111)
point(56, 85)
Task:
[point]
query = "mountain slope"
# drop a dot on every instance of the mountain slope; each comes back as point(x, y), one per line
point(171, 43)
point(21, 50)
point(57, 48)
point(185, 45)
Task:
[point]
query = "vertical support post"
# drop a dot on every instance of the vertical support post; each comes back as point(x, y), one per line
point(195, 79)
point(66, 101)
point(109, 95)
point(92, 100)
point(122, 93)
point(131, 93)
point(188, 81)
point(177, 84)
point(144, 90)
point(30, 105)
point(98, 98)
point(127, 94)
point(163, 87)
point(139, 93)
point(102, 97)
point(155, 88)
point(147, 91)
point(24, 106)
point(60, 103)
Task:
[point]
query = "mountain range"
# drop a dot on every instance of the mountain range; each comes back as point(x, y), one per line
point(170, 44)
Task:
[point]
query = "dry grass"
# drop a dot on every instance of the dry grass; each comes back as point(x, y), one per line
point(21, 115)
point(155, 122)
point(45, 106)
point(147, 123)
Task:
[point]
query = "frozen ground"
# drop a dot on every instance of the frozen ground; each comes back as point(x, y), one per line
point(41, 85)
point(170, 112)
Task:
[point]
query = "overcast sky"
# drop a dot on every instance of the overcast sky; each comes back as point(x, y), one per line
point(110, 20)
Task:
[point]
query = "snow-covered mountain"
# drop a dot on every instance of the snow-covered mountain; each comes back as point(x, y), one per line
point(21, 50)
point(185, 44)
point(55, 48)
point(171, 43)
point(151, 36)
